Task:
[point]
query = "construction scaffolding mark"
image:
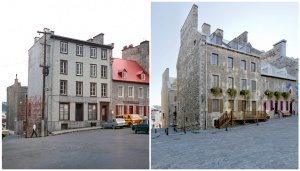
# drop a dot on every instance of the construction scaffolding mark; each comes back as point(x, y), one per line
point(30, 112)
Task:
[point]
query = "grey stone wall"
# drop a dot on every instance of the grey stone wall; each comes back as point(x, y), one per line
point(165, 99)
point(139, 54)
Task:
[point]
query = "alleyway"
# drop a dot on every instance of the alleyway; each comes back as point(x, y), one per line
point(270, 145)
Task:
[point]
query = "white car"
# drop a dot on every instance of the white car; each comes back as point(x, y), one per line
point(114, 123)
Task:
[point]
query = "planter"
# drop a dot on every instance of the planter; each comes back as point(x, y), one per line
point(269, 94)
point(216, 91)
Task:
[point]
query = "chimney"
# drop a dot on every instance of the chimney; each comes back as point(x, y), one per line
point(282, 47)
point(219, 31)
point(206, 28)
point(99, 38)
point(36, 39)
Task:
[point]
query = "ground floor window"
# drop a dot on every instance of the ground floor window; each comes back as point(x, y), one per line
point(141, 110)
point(215, 105)
point(121, 109)
point(64, 111)
point(92, 112)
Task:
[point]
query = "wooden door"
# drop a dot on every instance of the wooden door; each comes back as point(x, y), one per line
point(130, 109)
point(79, 112)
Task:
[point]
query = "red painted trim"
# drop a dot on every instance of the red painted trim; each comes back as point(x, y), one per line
point(287, 105)
point(271, 105)
point(281, 105)
point(145, 111)
point(117, 110)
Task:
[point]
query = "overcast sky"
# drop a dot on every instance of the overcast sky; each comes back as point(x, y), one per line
point(266, 24)
point(123, 22)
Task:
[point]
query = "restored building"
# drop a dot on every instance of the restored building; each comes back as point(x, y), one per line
point(130, 88)
point(15, 112)
point(209, 67)
point(78, 85)
point(168, 100)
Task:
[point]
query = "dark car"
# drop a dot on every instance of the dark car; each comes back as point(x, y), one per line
point(141, 127)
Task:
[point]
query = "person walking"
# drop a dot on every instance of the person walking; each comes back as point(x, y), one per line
point(33, 130)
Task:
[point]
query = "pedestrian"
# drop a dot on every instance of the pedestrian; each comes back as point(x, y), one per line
point(33, 130)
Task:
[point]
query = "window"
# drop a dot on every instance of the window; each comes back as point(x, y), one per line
point(78, 88)
point(63, 47)
point(243, 84)
point(214, 59)
point(121, 109)
point(79, 68)
point(215, 81)
point(141, 110)
point(230, 82)
point(248, 49)
point(103, 54)
point(120, 91)
point(267, 85)
point(93, 52)
point(230, 62)
point(130, 91)
point(92, 111)
point(277, 87)
point(234, 45)
point(63, 87)
point(218, 40)
point(140, 92)
point(79, 50)
point(215, 105)
point(124, 74)
point(243, 64)
point(103, 90)
point(63, 67)
point(253, 67)
point(148, 93)
point(253, 85)
point(103, 71)
point(93, 89)
point(143, 76)
point(63, 111)
point(93, 70)
point(283, 87)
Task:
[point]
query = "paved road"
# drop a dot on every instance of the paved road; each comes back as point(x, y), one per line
point(94, 149)
point(270, 145)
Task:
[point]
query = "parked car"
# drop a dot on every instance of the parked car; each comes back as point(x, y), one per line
point(114, 123)
point(143, 126)
point(130, 119)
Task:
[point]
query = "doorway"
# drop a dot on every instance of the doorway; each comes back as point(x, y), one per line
point(231, 106)
point(291, 107)
point(130, 109)
point(104, 111)
point(79, 112)
point(253, 107)
point(276, 106)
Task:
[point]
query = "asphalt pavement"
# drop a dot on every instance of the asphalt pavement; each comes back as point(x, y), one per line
point(268, 145)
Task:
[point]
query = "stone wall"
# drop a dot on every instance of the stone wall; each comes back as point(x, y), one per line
point(165, 99)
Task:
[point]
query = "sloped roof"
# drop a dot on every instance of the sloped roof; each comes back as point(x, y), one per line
point(274, 73)
point(133, 69)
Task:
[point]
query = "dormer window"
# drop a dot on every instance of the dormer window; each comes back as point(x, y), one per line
point(124, 74)
point(143, 76)
point(234, 45)
point(247, 49)
point(218, 40)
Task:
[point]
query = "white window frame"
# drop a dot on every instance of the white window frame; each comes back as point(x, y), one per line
point(103, 71)
point(79, 89)
point(63, 47)
point(228, 82)
point(93, 52)
point(120, 109)
point(241, 85)
point(140, 92)
point(63, 87)
point(79, 50)
point(124, 74)
point(120, 91)
point(93, 89)
point(103, 90)
point(63, 67)
point(130, 93)
point(79, 68)
point(103, 53)
point(93, 70)
point(143, 76)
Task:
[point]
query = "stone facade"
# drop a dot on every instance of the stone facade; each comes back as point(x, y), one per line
point(14, 120)
point(138, 53)
point(72, 67)
point(205, 61)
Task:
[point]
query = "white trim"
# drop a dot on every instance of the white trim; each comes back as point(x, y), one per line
point(132, 93)
point(121, 92)
point(142, 92)
point(232, 81)
point(241, 84)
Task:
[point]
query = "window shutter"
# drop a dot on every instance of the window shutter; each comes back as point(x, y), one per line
point(137, 110)
point(265, 106)
point(287, 105)
point(117, 110)
point(281, 105)
point(271, 105)
point(209, 105)
point(240, 105)
point(145, 111)
point(221, 105)
point(125, 109)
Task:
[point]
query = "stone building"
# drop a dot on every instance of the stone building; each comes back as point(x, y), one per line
point(14, 118)
point(139, 53)
point(130, 88)
point(168, 99)
point(78, 85)
point(208, 66)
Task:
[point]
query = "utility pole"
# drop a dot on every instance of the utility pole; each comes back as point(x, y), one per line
point(45, 73)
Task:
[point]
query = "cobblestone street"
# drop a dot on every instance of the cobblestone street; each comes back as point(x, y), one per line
point(270, 145)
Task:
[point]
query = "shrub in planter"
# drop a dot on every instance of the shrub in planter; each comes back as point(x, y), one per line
point(285, 95)
point(269, 94)
point(245, 93)
point(232, 92)
point(277, 95)
point(216, 91)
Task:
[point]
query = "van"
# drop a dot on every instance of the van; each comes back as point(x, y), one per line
point(130, 119)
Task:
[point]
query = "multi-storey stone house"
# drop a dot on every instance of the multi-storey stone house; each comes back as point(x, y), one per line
point(168, 99)
point(14, 120)
point(209, 66)
point(78, 87)
point(130, 88)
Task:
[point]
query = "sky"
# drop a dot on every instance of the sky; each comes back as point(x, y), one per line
point(266, 23)
point(123, 22)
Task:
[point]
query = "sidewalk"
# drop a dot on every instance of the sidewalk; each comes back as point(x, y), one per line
point(74, 130)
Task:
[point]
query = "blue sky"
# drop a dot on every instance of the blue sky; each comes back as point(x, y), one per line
point(265, 22)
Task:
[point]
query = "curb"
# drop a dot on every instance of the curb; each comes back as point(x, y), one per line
point(157, 135)
point(73, 130)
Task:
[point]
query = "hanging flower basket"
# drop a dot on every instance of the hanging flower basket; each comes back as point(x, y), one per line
point(277, 95)
point(285, 95)
point(232, 92)
point(216, 91)
point(269, 94)
point(245, 93)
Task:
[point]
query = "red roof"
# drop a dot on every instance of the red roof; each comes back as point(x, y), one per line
point(133, 69)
